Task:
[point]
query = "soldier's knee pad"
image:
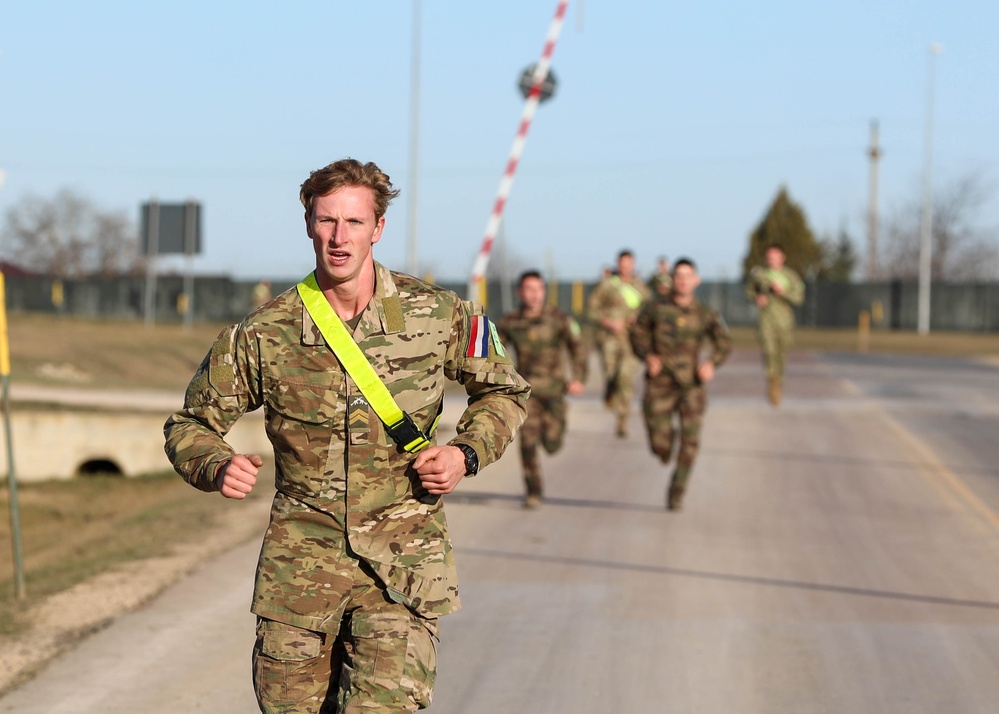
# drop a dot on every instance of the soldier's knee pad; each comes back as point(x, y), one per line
point(291, 668)
point(393, 666)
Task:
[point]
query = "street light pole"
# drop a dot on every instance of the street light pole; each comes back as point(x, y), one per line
point(412, 258)
point(926, 223)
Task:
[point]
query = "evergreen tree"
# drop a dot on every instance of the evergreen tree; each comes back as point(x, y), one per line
point(785, 225)
point(839, 259)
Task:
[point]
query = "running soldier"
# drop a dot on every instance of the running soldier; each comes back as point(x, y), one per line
point(776, 290)
point(613, 306)
point(356, 565)
point(543, 338)
point(668, 334)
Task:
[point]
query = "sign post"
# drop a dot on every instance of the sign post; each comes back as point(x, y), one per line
point(15, 514)
point(170, 228)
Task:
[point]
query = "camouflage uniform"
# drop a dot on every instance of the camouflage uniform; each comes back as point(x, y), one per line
point(539, 343)
point(615, 299)
point(347, 529)
point(776, 327)
point(676, 334)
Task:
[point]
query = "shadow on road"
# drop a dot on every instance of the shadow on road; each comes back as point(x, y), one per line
point(902, 464)
point(516, 500)
point(728, 577)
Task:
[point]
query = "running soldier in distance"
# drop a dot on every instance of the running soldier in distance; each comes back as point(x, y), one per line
point(613, 306)
point(668, 335)
point(776, 289)
point(544, 339)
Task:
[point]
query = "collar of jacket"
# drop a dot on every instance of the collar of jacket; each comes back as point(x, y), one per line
point(383, 313)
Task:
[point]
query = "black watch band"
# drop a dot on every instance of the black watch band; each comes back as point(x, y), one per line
point(471, 459)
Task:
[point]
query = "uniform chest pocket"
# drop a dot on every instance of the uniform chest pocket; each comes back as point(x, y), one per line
point(311, 398)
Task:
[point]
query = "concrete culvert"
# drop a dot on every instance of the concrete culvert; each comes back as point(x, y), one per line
point(99, 467)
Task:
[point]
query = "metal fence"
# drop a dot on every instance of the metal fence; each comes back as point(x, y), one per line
point(893, 305)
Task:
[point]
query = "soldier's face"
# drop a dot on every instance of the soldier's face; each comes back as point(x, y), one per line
point(343, 228)
point(775, 258)
point(626, 266)
point(685, 281)
point(532, 294)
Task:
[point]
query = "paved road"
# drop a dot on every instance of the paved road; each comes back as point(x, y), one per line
point(838, 554)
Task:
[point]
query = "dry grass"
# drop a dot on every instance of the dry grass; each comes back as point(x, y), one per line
point(118, 354)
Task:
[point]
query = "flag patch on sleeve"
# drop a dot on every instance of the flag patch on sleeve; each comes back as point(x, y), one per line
point(480, 331)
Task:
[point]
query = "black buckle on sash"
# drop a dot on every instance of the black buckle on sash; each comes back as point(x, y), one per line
point(407, 434)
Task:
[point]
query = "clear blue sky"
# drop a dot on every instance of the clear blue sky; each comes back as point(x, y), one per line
point(673, 127)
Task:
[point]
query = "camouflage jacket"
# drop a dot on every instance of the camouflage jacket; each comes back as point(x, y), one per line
point(542, 344)
point(778, 307)
point(677, 334)
point(343, 470)
point(615, 299)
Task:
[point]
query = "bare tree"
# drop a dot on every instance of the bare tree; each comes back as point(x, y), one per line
point(962, 251)
point(68, 236)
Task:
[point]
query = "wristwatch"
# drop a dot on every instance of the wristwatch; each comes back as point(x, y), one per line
point(471, 459)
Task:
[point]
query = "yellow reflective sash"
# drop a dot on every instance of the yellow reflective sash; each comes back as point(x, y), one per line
point(632, 295)
point(398, 423)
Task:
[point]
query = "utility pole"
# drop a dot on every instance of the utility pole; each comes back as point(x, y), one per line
point(926, 227)
point(874, 152)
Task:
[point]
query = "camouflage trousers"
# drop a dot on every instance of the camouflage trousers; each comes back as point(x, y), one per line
point(545, 427)
point(775, 338)
point(620, 367)
point(664, 398)
point(384, 659)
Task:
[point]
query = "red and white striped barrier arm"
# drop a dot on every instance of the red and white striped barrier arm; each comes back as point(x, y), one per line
point(476, 283)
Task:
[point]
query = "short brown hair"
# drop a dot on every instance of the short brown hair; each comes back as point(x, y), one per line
point(349, 172)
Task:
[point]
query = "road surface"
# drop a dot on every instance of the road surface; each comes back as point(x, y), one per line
point(838, 554)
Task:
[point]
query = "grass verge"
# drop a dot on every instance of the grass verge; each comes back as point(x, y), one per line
point(73, 530)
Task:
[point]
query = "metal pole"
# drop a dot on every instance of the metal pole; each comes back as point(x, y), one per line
point(874, 152)
point(412, 257)
point(926, 224)
point(15, 518)
point(152, 248)
point(190, 226)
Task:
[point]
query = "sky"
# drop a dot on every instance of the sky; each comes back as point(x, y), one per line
point(672, 128)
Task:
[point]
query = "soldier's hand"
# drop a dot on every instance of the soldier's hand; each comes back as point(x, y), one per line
point(706, 372)
point(440, 468)
point(653, 365)
point(776, 288)
point(761, 300)
point(575, 387)
point(239, 476)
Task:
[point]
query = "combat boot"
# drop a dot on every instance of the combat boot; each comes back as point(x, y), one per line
point(532, 501)
point(622, 427)
point(674, 501)
point(774, 391)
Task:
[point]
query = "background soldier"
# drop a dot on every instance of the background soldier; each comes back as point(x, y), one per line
point(543, 337)
point(613, 305)
point(356, 565)
point(775, 289)
point(668, 334)
point(661, 281)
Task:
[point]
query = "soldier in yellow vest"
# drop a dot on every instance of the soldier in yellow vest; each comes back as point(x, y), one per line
point(612, 306)
point(776, 290)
